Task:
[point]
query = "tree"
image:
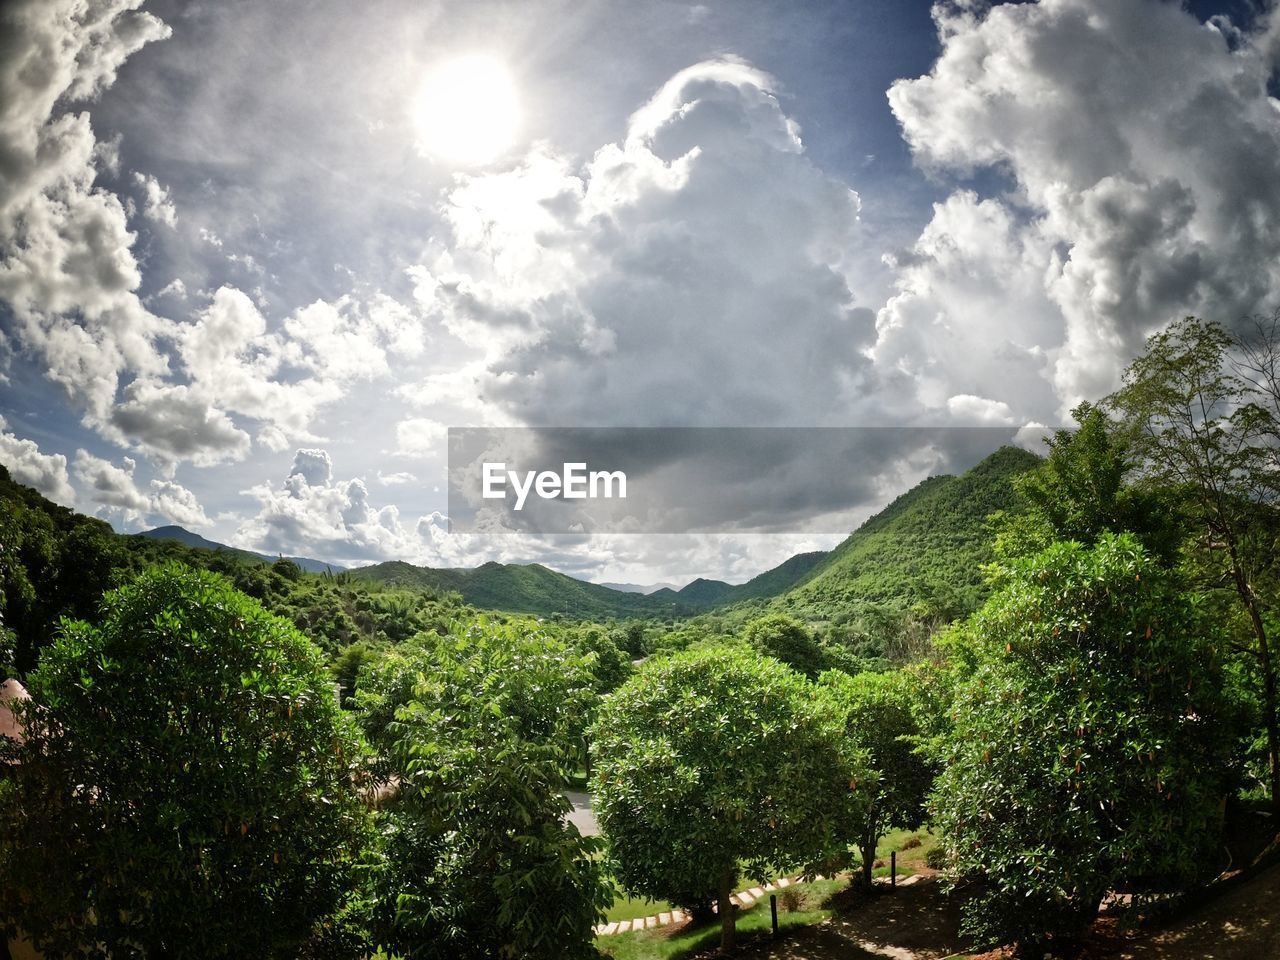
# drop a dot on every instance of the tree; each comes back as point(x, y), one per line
point(1088, 750)
point(1200, 435)
point(481, 728)
point(716, 760)
point(787, 639)
point(879, 718)
point(1082, 490)
point(186, 783)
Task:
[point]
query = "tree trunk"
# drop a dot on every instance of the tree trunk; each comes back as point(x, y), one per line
point(869, 850)
point(1268, 682)
point(727, 917)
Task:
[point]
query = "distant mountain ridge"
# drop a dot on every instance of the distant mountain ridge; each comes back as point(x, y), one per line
point(526, 588)
point(930, 544)
point(186, 537)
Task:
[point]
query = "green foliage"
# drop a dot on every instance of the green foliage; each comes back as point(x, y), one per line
point(1088, 749)
point(715, 760)
point(880, 717)
point(788, 640)
point(53, 563)
point(529, 588)
point(186, 785)
point(481, 728)
point(1206, 427)
point(610, 665)
point(928, 546)
point(1081, 491)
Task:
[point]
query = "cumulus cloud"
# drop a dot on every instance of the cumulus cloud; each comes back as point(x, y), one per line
point(420, 437)
point(313, 513)
point(68, 273)
point(107, 485)
point(176, 503)
point(157, 205)
point(26, 464)
point(1143, 151)
point(113, 490)
point(693, 273)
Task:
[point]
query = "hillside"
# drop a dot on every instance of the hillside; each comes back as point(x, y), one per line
point(187, 538)
point(928, 545)
point(525, 588)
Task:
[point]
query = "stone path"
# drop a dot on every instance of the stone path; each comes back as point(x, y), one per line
point(742, 899)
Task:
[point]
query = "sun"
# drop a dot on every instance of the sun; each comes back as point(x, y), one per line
point(467, 111)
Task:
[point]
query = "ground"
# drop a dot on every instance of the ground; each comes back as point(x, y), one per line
point(918, 922)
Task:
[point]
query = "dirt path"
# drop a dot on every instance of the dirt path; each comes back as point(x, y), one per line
point(1242, 924)
point(914, 922)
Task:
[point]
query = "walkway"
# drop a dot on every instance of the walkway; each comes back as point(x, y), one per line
point(743, 900)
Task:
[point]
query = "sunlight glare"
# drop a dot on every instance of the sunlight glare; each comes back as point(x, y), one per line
point(467, 111)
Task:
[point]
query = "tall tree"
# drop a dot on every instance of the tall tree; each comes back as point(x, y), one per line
point(481, 728)
point(879, 717)
point(1196, 426)
point(718, 760)
point(1088, 750)
point(186, 785)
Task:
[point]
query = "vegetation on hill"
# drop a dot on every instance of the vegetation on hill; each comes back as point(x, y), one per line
point(928, 546)
point(524, 588)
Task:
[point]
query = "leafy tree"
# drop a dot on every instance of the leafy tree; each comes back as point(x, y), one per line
point(481, 728)
point(787, 639)
point(1200, 435)
point(185, 787)
point(1088, 751)
point(1082, 490)
point(716, 760)
point(879, 717)
point(609, 664)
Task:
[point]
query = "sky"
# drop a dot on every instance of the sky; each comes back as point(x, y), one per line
point(255, 259)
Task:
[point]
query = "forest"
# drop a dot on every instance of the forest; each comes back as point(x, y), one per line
point(1060, 669)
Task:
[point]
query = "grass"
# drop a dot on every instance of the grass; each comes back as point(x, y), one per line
point(677, 943)
point(628, 908)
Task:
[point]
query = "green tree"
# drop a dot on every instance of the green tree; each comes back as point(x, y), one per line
point(481, 729)
point(185, 787)
point(714, 761)
point(1088, 750)
point(879, 717)
point(787, 639)
point(1199, 433)
point(1082, 490)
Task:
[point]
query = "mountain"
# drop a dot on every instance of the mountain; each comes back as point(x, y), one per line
point(527, 588)
point(638, 587)
point(184, 536)
point(927, 545)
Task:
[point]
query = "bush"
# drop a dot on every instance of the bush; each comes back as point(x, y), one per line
point(185, 788)
point(1088, 752)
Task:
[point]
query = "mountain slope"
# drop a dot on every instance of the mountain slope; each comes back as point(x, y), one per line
point(527, 588)
point(928, 545)
point(186, 537)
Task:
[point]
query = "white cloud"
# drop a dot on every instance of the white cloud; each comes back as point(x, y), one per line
point(113, 490)
point(177, 504)
point(1144, 152)
point(969, 410)
point(693, 273)
point(107, 485)
point(69, 274)
point(420, 437)
point(157, 205)
point(46, 472)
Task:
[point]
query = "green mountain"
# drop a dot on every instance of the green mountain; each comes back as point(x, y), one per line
point(929, 545)
point(527, 588)
point(186, 537)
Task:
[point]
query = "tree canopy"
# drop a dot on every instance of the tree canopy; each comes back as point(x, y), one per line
point(186, 786)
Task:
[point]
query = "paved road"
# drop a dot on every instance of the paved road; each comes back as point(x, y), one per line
point(582, 817)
